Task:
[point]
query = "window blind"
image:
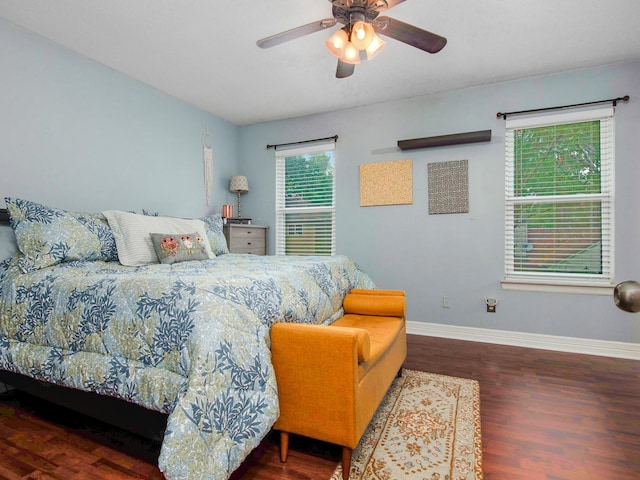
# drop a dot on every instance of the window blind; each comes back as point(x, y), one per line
point(559, 197)
point(305, 208)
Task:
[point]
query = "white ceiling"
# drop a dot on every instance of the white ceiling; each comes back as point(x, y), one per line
point(204, 51)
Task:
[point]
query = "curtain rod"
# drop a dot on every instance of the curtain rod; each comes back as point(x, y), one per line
point(334, 138)
point(614, 101)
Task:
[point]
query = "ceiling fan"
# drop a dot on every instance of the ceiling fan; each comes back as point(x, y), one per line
point(358, 40)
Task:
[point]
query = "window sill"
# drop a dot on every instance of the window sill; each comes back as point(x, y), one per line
point(558, 287)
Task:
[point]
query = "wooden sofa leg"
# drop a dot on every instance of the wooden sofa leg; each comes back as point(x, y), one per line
point(346, 463)
point(284, 446)
point(399, 372)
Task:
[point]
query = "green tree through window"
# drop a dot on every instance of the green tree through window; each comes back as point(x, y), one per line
point(305, 186)
point(309, 180)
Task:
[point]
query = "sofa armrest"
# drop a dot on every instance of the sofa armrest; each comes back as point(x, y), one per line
point(316, 370)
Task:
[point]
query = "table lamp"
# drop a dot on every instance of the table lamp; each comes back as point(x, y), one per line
point(238, 185)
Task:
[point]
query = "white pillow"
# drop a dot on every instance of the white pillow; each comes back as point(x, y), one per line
point(8, 245)
point(133, 234)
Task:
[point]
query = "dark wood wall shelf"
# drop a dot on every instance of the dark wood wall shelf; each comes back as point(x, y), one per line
point(443, 140)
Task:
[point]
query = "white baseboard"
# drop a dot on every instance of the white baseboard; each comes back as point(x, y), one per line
point(529, 340)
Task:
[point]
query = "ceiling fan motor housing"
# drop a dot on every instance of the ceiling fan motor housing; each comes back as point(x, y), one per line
point(349, 12)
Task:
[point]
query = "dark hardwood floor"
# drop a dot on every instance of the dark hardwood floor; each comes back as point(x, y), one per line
point(545, 416)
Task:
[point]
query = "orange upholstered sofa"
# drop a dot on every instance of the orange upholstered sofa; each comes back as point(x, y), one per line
point(332, 378)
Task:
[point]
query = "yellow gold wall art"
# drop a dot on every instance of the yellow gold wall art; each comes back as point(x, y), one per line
point(386, 183)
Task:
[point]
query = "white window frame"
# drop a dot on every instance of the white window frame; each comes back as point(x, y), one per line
point(282, 210)
point(598, 284)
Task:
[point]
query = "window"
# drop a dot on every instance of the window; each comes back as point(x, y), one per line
point(305, 208)
point(559, 202)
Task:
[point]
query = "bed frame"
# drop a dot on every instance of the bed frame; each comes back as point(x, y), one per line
point(110, 410)
point(113, 411)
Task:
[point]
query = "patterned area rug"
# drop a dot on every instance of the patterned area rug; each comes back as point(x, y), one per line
point(427, 428)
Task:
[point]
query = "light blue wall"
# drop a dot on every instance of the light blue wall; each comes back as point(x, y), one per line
point(77, 135)
point(461, 256)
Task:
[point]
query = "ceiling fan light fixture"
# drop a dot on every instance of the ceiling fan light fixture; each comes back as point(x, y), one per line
point(337, 43)
point(362, 34)
point(351, 55)
point(375, 47)
point(357, 39)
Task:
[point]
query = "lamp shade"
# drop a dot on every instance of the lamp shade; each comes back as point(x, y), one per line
point(375, 47)
point(362, 34)
point(239, 184)
point(351, 55)
point(337, 43)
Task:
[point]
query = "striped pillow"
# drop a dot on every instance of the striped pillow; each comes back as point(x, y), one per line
point(133, 231)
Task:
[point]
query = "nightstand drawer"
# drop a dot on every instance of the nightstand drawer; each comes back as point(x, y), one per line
point(246, 231)
point(241, 244)
point(249, 251)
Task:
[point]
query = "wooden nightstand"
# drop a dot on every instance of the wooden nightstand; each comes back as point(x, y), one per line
point(246, 238)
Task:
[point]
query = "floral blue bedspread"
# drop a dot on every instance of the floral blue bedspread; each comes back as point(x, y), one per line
point(189, 339)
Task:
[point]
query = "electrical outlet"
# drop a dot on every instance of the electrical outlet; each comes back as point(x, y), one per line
point(491, 304)
point(445, 302)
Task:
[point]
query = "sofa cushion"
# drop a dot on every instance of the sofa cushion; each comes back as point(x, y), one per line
point(383, 331)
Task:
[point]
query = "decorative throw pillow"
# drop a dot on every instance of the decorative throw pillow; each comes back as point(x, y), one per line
point(47, 236)
point(215, 234)
point(133, 231)
point(151, 213)
point(179, 247)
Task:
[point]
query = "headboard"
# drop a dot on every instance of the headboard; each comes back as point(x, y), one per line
point(4, 216)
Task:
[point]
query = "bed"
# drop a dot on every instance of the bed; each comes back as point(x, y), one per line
point(188, 339)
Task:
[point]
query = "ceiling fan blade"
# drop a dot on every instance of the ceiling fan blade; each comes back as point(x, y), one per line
point(297, 32)
point(344, 69)
point(405, 33)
